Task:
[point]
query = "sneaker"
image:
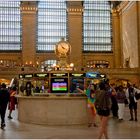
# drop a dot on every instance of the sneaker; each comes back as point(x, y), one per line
point(10, 117)
point(120, 119)
point(131, 119)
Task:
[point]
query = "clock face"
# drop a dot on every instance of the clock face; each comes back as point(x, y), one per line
point(63, 48)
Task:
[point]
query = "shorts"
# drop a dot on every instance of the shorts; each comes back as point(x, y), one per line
point(133, 106)
point(103, 112)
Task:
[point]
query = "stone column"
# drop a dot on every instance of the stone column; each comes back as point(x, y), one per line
point(138, 18)
point(75, 20)
point(117, 50)
point(28, 18)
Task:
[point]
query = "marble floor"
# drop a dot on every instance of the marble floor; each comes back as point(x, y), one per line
point(117, 130)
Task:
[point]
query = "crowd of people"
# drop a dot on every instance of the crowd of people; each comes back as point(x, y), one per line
point(105, 99)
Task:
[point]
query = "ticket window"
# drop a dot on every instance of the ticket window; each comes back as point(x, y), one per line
point(76, 83)
point(40, 86)
point(23, 79)
point(41, 83)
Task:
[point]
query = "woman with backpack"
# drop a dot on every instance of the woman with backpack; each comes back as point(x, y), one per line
point(103, 106)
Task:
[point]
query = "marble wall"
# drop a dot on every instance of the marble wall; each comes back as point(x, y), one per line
point(130, 35)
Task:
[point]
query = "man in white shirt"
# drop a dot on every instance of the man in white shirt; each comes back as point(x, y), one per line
point(130, 95)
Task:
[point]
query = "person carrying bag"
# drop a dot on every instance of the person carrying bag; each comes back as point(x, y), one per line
point(103, 106)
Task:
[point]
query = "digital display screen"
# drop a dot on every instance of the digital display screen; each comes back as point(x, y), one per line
point(59, 86)
point(76, 83)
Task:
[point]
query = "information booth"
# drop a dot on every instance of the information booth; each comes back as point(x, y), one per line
point(56, 107)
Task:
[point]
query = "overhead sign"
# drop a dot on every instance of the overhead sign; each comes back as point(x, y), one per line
point(93, 75)
point(41, 75)
point(28, 75)
point(77, 74)
point(59, 74)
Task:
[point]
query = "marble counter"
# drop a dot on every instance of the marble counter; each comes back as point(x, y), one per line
point(53, 110)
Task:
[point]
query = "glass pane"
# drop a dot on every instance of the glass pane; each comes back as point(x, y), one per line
point(52, 20)
point(10, 27)
point(97, 32)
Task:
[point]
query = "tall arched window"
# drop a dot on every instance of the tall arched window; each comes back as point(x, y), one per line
point(10, 26)
point(52, 20)
point(97, 29)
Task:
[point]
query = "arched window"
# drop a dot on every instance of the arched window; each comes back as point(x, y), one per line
point(10, 26)
point(97, 28)
point(49, 63)
point(52, 20)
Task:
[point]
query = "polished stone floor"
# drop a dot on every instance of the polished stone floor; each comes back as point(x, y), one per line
point(117, 130)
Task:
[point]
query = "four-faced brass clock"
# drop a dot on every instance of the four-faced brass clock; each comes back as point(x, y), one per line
point(63, 48)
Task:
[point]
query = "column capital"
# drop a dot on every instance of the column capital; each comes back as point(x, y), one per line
point(75, 11)
point(75, 7)
point(28, 7)
point(115, 12)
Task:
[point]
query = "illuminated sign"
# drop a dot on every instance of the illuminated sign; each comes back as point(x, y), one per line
point(58, 80)
point(41, 75)
point(93, 75)
point(77, 74)
point(59, 74)
point(28, 75)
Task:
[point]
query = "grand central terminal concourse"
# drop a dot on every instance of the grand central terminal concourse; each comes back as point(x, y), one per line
point(69, 69)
